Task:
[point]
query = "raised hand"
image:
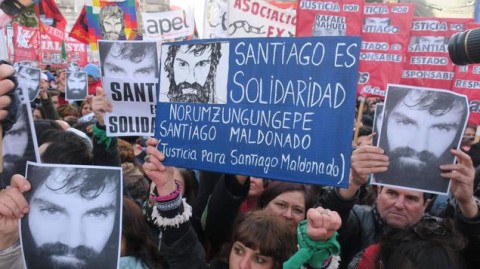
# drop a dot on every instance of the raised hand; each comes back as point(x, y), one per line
point(161, 175)
point(365, 160)
point(322, 223)
point(462, 175)
point(100, 105)
point(6, 86)
point(13, 206)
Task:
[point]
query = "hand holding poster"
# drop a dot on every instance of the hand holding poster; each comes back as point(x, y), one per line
point(419, 127)
point(74, 218)
point(385, 33)
point(277, 108)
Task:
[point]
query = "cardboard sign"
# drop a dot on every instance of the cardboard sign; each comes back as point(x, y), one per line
point(129, 77)
point(277, 108)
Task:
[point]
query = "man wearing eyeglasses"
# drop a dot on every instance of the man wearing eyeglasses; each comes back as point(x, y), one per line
point(363, 225)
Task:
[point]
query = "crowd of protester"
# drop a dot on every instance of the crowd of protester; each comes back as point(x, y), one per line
point(178, 218)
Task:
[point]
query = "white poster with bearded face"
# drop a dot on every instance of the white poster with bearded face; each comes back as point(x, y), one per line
point(76, 85)
point(419, 128)
point(129, 78)
point(74, 218)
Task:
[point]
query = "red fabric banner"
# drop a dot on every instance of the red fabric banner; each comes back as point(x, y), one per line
point(51, 52)
point(385, 34)
point(80, 28)
point(428, 63)
point(48, 9)
point(25, 43)
point(53, 33)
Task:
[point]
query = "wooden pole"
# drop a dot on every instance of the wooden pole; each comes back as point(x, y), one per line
point(359, 118)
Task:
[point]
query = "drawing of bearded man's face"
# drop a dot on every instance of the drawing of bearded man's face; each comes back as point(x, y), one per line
point(112, 27)
point(192, 78)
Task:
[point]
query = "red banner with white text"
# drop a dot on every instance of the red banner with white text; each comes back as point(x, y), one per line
point(25, 43)
point(51, 51)
point(428, 63)
point(385, 34)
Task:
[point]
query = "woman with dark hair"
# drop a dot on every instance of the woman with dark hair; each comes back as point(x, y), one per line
point(431, 243)
point(42, 126)
point(69, 113)
point(137, 251)
point(85, 108)
point(135, 183)
point(285, 199)
point(62, 146)
point(288, 200)
point(255, 230)
point(257, 186)
point(179, 244)
point(188, 183)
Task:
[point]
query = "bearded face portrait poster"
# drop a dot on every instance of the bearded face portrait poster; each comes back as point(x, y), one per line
point(74, 218)
point(111, 20)
point(419, 128)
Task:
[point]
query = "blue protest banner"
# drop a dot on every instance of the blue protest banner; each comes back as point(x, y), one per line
point(279, 108)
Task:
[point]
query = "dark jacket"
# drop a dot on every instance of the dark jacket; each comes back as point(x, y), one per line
point(48, 109)
point(361, 228)
point(186, 252)
point(221, 211)
point(105, 149)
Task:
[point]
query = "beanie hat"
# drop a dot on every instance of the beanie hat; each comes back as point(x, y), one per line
point(93, 71)
point(50, 76)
